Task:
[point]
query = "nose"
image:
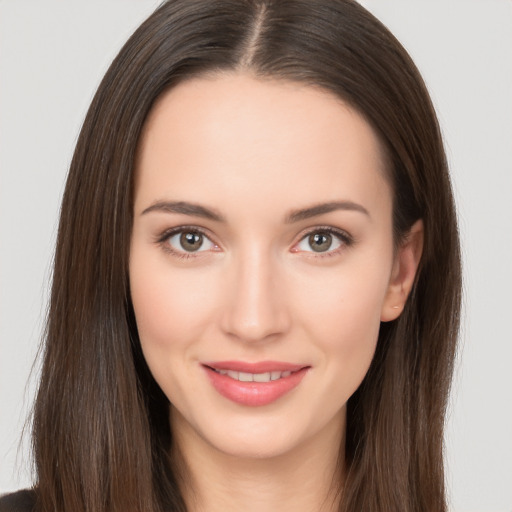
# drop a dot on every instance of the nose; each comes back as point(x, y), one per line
point(256, 305)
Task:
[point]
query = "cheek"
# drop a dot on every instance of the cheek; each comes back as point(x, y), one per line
point(162, 311)
point(343, 314)
point(171, 307)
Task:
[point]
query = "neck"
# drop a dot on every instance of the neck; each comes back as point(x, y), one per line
point(305, 479)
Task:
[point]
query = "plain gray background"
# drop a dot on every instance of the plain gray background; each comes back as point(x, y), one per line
point(52, 56)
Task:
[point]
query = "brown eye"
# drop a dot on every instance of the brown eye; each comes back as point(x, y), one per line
point(320, 242)
point(189, 241)
point(324, 241)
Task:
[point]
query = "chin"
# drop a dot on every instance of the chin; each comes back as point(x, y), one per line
point(256, 434)
point(260, 446)
point(261, 433)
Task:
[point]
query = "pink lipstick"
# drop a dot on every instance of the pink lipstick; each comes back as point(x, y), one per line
point(254, 384)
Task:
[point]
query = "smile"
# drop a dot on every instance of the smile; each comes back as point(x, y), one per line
point(254, 377)
point(254, 384)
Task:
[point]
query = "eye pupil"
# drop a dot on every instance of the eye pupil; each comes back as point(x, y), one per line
point(320, 242)
point(191, 241)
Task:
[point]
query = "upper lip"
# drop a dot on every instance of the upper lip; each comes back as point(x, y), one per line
point(259, 367)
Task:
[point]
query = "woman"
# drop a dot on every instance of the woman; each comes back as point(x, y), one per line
point(257, 278)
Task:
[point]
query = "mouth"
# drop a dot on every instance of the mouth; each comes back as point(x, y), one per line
point(254, 377)
point(254, 384)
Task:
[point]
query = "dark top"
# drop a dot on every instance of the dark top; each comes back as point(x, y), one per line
point(21, 501)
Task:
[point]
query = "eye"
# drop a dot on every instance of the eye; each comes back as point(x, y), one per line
point(185, 241)
point(325, 240)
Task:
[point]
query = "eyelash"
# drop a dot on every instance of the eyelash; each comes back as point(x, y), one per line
point(346, 240)
point(164, 237)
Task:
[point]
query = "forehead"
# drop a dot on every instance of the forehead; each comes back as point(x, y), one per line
point(235, 134)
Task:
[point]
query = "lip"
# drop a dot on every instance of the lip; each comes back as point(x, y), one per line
point(254, 394)
point(259, 367)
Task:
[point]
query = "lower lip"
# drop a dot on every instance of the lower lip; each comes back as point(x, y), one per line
point(254, 393)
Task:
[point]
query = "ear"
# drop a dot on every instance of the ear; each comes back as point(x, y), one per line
point(406, 263)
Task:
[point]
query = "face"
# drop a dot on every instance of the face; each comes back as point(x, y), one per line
point(261, 261)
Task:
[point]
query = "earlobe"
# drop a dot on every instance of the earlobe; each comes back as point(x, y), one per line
point(403, 274)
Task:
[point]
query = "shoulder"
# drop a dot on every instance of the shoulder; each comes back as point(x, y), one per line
point(20, 501)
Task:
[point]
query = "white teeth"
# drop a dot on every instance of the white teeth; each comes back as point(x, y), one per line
point(254, 377)
point(261, 377)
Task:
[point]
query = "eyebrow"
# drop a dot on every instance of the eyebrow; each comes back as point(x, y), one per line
point(197, 210)
point(184, 208)
point(322, 208)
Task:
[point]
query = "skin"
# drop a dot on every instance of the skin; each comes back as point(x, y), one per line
point(253, 151)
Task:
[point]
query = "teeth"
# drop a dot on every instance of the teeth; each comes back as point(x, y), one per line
point(254, 377)
point(261, 377)
point(245, 377)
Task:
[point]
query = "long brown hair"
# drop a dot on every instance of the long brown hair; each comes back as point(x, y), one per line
point(101, 434)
